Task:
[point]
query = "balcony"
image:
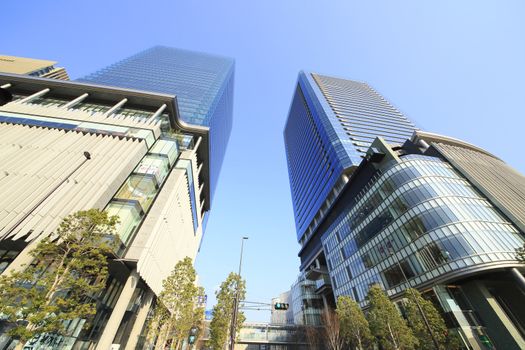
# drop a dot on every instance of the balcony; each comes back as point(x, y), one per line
point(323, 285)
point(314, 273)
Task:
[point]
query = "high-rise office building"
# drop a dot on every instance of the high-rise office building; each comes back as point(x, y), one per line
point(429, 212)
point(33, 67)
point(144, 164)
point(330, 125)
point(202, 83)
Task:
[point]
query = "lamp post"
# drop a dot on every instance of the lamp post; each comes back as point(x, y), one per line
point(420, 309)
point(236, 301)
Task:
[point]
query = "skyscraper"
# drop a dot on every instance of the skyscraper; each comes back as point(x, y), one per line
point(330, 125)
point(428, 212)
point(202, 83)
point(69, 146)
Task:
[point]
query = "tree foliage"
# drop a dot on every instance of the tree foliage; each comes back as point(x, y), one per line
point(354, 325)
point(223, 311)
point(179, 306)
point(70, 268)
point(445, 340)
point(386, 323)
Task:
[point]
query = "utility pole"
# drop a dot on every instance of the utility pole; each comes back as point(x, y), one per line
point(236, 301)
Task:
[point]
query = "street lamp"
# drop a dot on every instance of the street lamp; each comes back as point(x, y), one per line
point(236, 301)
point(420, 309)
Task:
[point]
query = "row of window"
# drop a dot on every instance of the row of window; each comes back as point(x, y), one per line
point(400, 201)
point(134, 198)
point(414, 230)
point(410, 228)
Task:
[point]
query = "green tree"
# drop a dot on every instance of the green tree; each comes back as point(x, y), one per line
point(445, 340)
point(354, 326)
point(223, 311)
point(386, 323)
point(70, 268)
point(178, 307)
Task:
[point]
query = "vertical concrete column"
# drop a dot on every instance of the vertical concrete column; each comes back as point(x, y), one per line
point(22, 259)
point(325, 302)
point(106, 339)
point(138, 325)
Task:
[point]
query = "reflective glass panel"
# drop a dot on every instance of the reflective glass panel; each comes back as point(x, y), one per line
point(129, 218)
point(154, 165)
point(141, 188)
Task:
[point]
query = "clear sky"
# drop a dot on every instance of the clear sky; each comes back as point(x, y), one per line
point(453, 67)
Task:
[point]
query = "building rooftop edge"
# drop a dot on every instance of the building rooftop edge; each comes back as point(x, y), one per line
point(432, 137)
point(25, 65)
point(112, 95)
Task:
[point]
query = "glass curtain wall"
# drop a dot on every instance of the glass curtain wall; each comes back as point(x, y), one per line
point(419, 219)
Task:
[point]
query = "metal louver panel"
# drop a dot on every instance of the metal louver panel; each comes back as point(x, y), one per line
point(501, 184)
point(33, 160)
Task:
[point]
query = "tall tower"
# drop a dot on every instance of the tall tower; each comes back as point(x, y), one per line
point(377, 201)
point(202, 83)
point(331, 124)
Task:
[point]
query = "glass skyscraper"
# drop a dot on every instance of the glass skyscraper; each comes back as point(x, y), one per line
point(331, 124)
point(377, 201)
point(202, 83)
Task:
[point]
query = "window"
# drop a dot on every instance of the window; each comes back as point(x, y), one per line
point(167, 148)
point(349, 272)
point(140, 188)
point(129, 218)
point(397, 273)
point(154, 165)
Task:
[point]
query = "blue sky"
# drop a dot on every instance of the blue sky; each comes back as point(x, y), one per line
point(453, 67)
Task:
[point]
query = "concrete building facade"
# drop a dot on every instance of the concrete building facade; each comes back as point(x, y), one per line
point(282, 316)
point(145, 165)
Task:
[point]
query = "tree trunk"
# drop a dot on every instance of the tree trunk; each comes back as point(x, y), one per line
point(159, 344)
point(392, 336)
point(359, 344)
point(58, 278)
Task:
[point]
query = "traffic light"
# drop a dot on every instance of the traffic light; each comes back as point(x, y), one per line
point(281, 306)
point(193, 335)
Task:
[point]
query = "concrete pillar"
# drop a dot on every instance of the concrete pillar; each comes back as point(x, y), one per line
point(22, 259)
point(138, 325)
point(499, 326)
point(106, 339)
